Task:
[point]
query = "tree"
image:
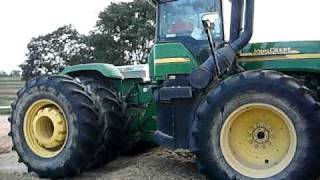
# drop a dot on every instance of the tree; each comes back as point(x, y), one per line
point(106, 50)
point(124, 33)
point(3, 74)
point(15, 73)
point(49, 54)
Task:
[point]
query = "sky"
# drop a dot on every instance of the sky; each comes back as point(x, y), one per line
point(20, 20)
point(285, 20)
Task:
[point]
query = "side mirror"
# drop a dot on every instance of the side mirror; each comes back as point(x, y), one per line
point(209, 19)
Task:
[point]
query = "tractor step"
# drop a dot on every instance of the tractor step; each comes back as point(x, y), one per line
point(173, 92)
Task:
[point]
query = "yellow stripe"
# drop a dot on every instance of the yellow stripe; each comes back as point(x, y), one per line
point(279, 57)
point(172, 60)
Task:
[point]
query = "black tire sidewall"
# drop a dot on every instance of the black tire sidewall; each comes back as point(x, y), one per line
point(236, 92)
point(111, 140)
point(80, 144)
point(18, 132)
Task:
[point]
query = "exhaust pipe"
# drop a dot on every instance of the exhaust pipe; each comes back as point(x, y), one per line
point(245, 37)
point(236, 19)
point(201, 77)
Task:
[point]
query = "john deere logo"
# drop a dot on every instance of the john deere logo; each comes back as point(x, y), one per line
point(274, 51)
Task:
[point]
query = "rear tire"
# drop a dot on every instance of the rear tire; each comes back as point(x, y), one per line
point(60, 106)
point(282, 145)
point(110, 117)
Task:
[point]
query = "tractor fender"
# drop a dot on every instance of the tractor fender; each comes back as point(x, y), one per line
point(107, 70)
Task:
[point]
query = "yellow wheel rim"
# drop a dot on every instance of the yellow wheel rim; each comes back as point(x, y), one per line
point(45, 128)
point(258, 140)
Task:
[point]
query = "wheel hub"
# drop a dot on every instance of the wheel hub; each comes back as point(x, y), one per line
point(258, 140)
point(260, 135)
point(49, 128)
point(45, 128)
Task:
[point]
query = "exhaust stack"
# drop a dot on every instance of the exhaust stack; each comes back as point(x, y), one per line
point(225, 56)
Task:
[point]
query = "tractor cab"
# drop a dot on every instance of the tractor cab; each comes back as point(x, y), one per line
point(190, 35)
point(181, 22)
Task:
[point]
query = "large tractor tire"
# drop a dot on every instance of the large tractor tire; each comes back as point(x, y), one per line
point(111, 117)
point(54, 127)
point(259, 124)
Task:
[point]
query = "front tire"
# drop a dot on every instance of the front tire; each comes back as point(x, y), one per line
point(258, 124)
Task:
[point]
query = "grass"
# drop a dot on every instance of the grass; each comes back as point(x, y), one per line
point(10, 79)
point(8, 89)
point(5, 102)
point(4, 111)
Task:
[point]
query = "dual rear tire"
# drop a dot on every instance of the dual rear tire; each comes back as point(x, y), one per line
point(111, 117)
point(61, 127)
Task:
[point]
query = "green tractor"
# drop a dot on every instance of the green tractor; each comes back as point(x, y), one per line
point(247, 111)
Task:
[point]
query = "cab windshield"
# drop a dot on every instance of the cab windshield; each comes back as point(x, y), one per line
point(183, 18)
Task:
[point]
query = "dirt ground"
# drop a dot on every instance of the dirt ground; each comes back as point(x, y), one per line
point(5, 140)
point(156, 164)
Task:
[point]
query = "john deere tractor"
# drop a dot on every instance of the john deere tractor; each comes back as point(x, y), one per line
point(247, 111)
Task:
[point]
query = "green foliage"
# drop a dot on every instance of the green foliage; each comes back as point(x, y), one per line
point(3, 74)
point(13, 73)
point(106, 50)
point(125, 33)
point(50, 53)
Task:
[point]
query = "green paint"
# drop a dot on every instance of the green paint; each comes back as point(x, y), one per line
point(304, 47)
point(106, 70)
point(138, 94)
point(143, 122)
point(284, 65)
point(143, 113)
point(301, 65)
point(170, 50)
point(129, 86)
point(133, 91)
